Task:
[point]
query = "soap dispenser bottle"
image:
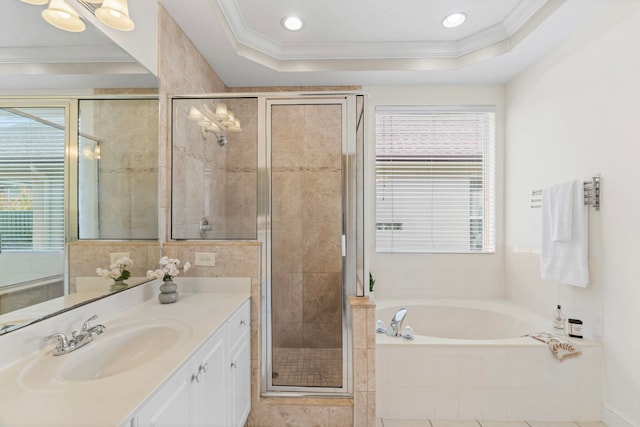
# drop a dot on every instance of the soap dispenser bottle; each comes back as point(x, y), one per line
point(558, 321)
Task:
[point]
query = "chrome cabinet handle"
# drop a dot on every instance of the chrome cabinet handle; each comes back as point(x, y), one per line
point(243, 322)
point(195, 377)
point(234, 364)
point(203, 368)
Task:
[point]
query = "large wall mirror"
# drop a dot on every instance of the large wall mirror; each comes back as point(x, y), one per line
point(96, 157)
point(46, 78)
point(214, 168)
point(118, 169)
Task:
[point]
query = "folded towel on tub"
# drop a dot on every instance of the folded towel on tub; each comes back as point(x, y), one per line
point(559, 346)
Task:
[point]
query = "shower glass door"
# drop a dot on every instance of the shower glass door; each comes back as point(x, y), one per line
point(307, 227)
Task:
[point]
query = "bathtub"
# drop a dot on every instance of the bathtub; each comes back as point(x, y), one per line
point(469, 360)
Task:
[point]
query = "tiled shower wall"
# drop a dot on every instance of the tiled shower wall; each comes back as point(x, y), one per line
point(227, 174)
point(306, 198)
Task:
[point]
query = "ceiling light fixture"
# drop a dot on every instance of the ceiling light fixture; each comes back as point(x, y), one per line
point(62, 16)
point(112, 13)
point(454, 20)
point(291, 23)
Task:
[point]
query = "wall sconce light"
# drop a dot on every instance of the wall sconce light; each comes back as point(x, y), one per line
point(112, 13)
point(218, 122)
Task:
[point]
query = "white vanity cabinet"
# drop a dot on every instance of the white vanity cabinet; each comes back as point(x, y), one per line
point(213, 389)
point(239, 366)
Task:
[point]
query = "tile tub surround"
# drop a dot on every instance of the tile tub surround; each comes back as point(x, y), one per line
point(480, 423)
point(498, 382)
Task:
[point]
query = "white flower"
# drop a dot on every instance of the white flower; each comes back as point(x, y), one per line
point(117, 270)
point(170, 268)
point(124, 261)
point(103, 272)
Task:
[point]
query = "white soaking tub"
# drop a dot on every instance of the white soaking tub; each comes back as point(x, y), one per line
point(469, 360)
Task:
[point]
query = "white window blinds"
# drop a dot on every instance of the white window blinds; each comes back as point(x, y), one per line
point(32, 150)
point(435, 179)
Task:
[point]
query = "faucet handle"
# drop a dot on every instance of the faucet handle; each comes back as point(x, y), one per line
point(85, 325)
point(63, 342)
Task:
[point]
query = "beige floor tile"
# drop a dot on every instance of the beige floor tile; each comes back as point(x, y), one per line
point(591, 424)
point(551, 424)
point(446, 423)
point(388, 422)
point(503, 423)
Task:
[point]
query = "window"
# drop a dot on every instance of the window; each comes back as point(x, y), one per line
point(32, 150)
point(435, 179)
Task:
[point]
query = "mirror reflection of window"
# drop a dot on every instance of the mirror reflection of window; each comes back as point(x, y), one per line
point(118, 169)
point(32, 154)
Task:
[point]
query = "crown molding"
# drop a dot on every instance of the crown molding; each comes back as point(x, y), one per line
point(245, 38)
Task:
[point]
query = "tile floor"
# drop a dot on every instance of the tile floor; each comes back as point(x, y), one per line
point(473, 423)
point(307, 367)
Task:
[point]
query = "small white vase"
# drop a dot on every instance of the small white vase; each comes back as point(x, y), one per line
point(168, 292)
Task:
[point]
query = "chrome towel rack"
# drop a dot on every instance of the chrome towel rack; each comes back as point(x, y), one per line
point(591, 194)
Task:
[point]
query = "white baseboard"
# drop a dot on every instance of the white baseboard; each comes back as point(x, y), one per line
point(612, 418)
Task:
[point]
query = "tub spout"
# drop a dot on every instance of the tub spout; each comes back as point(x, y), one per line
point(396, 322)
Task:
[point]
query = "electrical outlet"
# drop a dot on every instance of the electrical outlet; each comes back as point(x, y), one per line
point(117, 255)
point(206, 259)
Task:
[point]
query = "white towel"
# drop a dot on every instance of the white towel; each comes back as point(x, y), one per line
point(565, 261)
point(559, 203)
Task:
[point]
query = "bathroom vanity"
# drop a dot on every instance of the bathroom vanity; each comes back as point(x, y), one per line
point(184, 364)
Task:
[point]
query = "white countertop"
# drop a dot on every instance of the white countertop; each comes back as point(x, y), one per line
point(111, 401)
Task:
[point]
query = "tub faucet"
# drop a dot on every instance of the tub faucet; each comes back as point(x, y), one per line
point(396, 322)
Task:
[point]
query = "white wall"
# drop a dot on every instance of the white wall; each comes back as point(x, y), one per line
point(572, 115)
point(434, 275)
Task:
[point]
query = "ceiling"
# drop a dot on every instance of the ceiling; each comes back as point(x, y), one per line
point(375, 42)
point(352, 42)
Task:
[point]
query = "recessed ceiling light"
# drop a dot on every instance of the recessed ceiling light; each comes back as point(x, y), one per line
point(454, 20)
point(291, 23)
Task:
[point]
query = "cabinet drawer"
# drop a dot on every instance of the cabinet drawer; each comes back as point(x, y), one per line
point(238, 324)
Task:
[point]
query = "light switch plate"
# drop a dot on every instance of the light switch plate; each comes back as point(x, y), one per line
point(206, 259)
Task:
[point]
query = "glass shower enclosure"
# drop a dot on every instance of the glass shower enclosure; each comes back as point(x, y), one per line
point(301, 159)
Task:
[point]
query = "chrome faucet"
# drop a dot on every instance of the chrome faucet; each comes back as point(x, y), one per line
point(78, 338)
point(396, 322)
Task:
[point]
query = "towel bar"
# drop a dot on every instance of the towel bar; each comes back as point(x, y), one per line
point(591, 194)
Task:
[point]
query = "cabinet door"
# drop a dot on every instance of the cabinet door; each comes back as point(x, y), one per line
point(240, 381)
point(173, 405)
point(212, 388)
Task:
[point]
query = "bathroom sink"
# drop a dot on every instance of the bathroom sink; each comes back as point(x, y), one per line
point(120, 349)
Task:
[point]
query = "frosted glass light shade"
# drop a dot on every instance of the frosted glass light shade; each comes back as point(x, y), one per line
point(235, 127)
point(36, 2)
point(221, 111)
point(195, 114)
point(62, 16)
point(115, 14)
point(229, 120)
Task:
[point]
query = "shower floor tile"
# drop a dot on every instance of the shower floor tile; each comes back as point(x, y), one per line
point(307, 367)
